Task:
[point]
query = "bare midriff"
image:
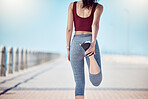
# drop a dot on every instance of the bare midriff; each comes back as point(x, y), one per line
point(82, 32)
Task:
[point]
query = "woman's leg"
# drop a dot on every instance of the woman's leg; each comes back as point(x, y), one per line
point(95, 78)
point(77, 63)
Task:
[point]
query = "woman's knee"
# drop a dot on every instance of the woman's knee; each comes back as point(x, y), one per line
point(96, 79)
point(97, 83)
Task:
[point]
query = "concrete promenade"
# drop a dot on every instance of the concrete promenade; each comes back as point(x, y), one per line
point(54, 80)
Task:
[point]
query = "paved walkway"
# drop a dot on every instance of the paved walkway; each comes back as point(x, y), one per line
point(54, 80)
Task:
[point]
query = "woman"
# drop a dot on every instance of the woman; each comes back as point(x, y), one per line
point(86, 16)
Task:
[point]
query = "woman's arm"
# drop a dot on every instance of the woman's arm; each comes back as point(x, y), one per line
point(95, 24)
point(95, 28)
point(69, 28)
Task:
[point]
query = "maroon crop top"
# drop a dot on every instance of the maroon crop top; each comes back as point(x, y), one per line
point(83, 24)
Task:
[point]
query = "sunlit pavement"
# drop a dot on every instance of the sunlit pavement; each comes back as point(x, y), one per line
point(54, 80)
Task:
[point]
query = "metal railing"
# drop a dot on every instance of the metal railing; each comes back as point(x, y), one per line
point(16, 59)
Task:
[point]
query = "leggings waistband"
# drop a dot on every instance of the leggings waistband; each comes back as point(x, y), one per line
point(82, 35)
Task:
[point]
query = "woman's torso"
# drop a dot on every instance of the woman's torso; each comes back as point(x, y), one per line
point(84, 14)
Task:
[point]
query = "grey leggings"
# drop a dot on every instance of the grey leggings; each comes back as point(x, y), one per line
point(77, 54)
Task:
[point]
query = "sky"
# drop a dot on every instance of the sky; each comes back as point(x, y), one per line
point(41, 25)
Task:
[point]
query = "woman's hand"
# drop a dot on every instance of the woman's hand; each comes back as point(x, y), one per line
point(91, 48)
point(68, 54)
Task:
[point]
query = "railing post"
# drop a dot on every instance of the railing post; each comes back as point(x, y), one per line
point(2, 61)
point(29, 58)
point(39, 57)
point(21, 59)
point(32, 58)
point(16, 59)
point(25, 59)
point(35, 57)
point(10, 60)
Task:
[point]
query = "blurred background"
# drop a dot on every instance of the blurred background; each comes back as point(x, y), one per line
point(41, 25)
